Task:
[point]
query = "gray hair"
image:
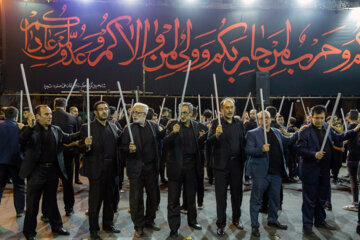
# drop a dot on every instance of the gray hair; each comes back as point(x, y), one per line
point(267, 112)
point(144, 106)
point(189, 105)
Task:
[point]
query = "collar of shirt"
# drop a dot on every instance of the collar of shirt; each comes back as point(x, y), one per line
point(100, 124)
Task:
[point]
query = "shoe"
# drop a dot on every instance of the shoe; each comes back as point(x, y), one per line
point(195, 226)
point(358, 229)
point(21, 214)
point(201, 207)
point(152, 226)
point(69, 213)
point(183, 210)
point(308, 231)
point(94, 236)
point(278, 225)
point(173, 234)
point(326, 226)
point(238, 225)
point(255, 232)
point(87, 212)
point(111, 229)
point(352, 207)
point(29, 237)
point(139, 233)
point(328, 206)
point(45, 219)
point(78, 182)
point(61, 231)
point(263, 210)
point(220, 232)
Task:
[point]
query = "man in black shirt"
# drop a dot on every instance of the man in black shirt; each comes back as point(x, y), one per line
point(75, 112)
point(42, 165)
point(142, 157)
point(227, 142)
point(266, 168)
point(183, 167)
point(101, 165)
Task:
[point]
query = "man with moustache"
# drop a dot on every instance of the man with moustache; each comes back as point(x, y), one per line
point(143, 158)
point(266, 167)
point(183, 167)
point(101, 165)
point(227, 143)
point(42, 165)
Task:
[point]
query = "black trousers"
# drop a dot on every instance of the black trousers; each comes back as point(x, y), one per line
point(353, 172)
point(162, 165)
point(77, 166)
point(233, 176)
point(101, 191)
point(147, 180)
point(42, 180)
point(116, 193)
point(68, 183)
point(188, 179)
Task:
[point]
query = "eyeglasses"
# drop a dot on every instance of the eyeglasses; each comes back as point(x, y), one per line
point(137, 113)
point(185, 113)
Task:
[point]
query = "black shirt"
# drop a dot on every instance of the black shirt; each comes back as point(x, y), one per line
point(251, 124)
point(326, 160)
point(188, 141)
point(107, 139)
point(48, 146)
point(147, 144)
point(275, 155)
point(232, 134)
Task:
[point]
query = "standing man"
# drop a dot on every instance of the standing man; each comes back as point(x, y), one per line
point(314, 168)
point(11, 158)
point(43, 163)
point(266, 167)
point(183, 167)
point(69, 125)
point(75, 112)
point(142, 167)
point(227, 142)
point(101, 165)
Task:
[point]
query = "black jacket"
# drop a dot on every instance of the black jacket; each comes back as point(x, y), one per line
point(220, 148)
point(134, 160)
point(353, 146)
point(31, 143)
point(93, 163)
point(67, 122)
point(174, 153)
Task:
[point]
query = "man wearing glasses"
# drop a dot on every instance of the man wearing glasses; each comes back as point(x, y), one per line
point(101, 166)
point(183, 166)
point(142, 167)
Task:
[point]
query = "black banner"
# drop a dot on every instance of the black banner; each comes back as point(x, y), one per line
point(307, 52)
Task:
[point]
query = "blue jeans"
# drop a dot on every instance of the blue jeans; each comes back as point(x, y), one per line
point(272, 182)
point(7, 172)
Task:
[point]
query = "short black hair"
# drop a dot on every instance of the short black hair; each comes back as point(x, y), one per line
point(150, 114)
point(272, 110)
point(38, 109)
point(292, 120)
point(112, 110)
point(60, 102)
point(11, 112)
point(318, 109)
point(165, 109)
point(195, 110)
point(98, 103)
point(207, 113)
point(354, 115)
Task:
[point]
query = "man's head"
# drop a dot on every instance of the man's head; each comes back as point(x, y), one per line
point(318, 115)
point(101, 110)
point(60, 103)
point(267, 119)
point(112, 111)
point(292, 122)
point(252, 114)
point(43, 115)
point(165, 112)
point(207, 114)
point(74, 111)
point(353, 115)
point(25, 113)
point(227, 108)
point(272, 110)
point(186, 112)
point(150, 114)
point(194, 113)
point(280, 120)
point(11, 113)
point(139, 112)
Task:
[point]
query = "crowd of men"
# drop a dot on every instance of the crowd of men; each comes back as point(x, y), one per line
point(258, 148)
